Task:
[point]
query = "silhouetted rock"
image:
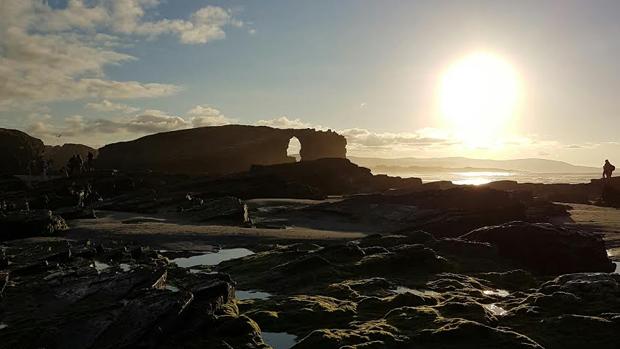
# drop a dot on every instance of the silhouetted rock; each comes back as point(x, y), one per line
point(335, 176)
point(545, 248)
point(60, 154)
point(17, 151)
point(219, 150)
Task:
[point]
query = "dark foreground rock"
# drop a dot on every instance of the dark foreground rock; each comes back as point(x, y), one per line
point(446, 213)
point(17, 151)
point(415, 290)
point(545, 248)
point(23, 224)
point(80, 295)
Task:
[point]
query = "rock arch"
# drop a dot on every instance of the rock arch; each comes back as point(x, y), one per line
point(219, 149)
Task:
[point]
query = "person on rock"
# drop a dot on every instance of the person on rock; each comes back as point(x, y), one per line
point(608, 169)
point(90, 162)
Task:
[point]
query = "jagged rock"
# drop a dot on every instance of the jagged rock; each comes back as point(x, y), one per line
point(87, 299)
point(470, 334)
point(16, 225)
point(17, 151)
point(545, 248)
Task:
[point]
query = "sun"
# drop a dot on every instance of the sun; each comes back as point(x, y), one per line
point(478, 97)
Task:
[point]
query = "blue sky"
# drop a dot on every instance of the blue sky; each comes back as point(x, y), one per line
point(86, 71)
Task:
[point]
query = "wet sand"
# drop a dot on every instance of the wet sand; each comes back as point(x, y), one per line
point(602, 219)
point(173, 233)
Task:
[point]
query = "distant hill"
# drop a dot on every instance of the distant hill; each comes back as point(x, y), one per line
point(436, 164)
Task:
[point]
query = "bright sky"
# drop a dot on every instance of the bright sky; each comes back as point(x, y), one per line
point(100, 71)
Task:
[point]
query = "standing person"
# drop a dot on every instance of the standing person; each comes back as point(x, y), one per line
point(608, 169)
point(79, 163)
point(90, 162)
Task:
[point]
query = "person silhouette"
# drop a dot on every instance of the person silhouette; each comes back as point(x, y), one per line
point(608, 169)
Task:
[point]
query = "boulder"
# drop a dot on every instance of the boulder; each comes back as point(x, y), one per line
point(545, 248)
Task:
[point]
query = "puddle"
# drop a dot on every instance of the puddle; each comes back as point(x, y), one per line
point(3, 326)
point(100, 266)
point(498, 293)
point(242, 295)
point(212, 258)
point(421, 293)
point(617, 271)
point(279, 340)
point(495, 310)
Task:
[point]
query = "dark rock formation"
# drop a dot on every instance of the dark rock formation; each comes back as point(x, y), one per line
point(328, 298)
point(545, 248)
point(60, 154)
point(17, 151)
point(219, 150)
point(19, 225)
point(335, 176)
point(221, 210)
point(78, 295)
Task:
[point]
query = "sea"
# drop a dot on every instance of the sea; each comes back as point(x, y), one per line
point(484, 177)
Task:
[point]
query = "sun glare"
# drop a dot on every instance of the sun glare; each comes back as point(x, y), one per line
point(478, 98)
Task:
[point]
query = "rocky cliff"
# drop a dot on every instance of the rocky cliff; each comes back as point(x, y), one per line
point(219, 150)
point(17, 151)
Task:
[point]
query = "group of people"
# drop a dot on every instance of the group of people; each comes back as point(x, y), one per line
point(77, 165)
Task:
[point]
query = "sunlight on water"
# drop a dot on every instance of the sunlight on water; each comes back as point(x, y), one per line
point(213, 258)
point(279, 340)
point(484, 177)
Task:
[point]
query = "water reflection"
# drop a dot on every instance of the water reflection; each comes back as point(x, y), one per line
point(242, 295)
point(279, 340)
point(212, 258)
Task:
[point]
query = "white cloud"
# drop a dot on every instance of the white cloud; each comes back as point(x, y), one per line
point(78, 128)
point(285, 122)
point(205, 115)
point(49, 54)
point(107, 106)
